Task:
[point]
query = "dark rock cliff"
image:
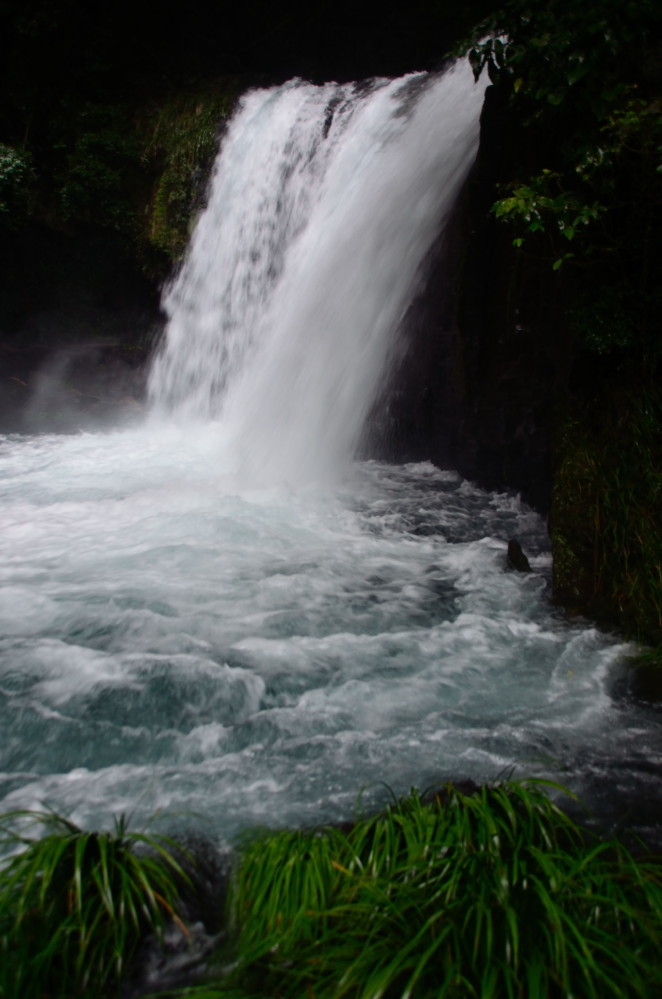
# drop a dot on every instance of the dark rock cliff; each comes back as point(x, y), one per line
point(487, 344)
point(539, 380)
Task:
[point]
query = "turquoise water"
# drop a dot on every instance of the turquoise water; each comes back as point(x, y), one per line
point(172, 640)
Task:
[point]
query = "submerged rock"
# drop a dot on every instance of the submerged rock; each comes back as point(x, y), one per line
point(645, 683)
point(516, 558)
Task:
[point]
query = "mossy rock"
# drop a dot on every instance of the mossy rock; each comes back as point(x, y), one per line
point(180, 140)
point(604, 525)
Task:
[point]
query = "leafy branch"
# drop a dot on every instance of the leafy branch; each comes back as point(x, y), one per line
point(591, 112)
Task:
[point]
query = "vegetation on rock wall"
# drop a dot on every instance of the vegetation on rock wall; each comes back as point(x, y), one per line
point(107, 120)
point(92, 166)
point(139, 172)
point(585, 194)
point(179, 141)
point(606, 531)
point(585, 80)
point(14, 172)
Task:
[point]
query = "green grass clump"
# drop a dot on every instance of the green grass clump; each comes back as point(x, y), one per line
point(492, 894)
point(74, 905)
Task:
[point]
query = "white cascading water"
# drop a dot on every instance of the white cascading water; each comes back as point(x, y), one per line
point(283, 318)
point(183, 628)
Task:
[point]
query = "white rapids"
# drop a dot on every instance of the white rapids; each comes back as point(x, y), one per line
point(220, 613)
point(173, 641)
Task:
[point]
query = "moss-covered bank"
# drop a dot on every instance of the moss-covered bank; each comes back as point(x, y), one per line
point(179, 139)
point(606, 527)
point(558, 329)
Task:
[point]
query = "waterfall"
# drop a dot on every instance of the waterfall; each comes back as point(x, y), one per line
point(175, 637)
point(323, 203)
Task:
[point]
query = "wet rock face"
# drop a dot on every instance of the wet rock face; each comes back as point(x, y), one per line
point(484, 348)
point(509, 338)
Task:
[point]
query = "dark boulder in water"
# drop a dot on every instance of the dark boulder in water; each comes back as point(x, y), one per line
point(516, 558)
point(645, 683)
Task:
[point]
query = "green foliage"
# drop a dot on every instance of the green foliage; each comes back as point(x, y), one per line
point(137, 167)
point(491, 894)
point(606, 321)
point(97, 167)
point(181, 138)
point(542, 200)
point(74, 905)
point(558, 51)
point(581, 77)
point(14, 174)
point(496, 893)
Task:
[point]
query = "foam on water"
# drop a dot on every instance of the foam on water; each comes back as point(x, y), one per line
point(171, 641)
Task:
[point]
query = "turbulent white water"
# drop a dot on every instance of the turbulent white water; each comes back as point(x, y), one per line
point(172, 641)
point(224, 616)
